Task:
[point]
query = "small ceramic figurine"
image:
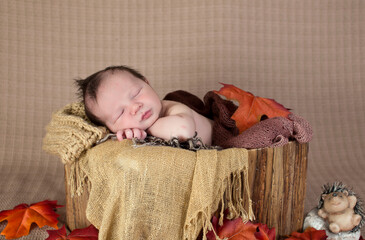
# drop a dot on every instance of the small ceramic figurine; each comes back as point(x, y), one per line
point(339, 212)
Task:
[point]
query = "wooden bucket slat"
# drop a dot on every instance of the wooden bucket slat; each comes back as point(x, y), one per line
point(277, 180)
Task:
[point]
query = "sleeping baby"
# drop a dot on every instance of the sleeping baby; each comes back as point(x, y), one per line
point(121, 99)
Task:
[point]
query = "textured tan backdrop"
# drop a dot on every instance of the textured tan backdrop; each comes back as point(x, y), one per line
point(308, 55)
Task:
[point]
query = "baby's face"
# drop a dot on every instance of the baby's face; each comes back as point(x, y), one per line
point(125, 102)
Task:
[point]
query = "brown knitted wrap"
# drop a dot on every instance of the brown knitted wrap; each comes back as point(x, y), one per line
point(271, 132)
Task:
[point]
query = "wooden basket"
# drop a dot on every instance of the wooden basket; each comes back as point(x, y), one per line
point(277, 178)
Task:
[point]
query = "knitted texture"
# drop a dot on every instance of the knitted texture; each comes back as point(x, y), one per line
point(70, 133)
point(272, 132)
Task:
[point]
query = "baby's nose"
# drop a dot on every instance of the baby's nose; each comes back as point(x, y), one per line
point(135, 108)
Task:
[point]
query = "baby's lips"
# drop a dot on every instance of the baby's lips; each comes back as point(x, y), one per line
point(146, 114)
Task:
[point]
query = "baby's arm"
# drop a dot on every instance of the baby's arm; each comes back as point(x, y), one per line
point(177, 121)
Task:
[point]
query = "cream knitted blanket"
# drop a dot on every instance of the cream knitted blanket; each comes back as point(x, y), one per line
point(150, 192)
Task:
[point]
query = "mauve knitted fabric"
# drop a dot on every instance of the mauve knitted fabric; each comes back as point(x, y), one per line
point(272, 132)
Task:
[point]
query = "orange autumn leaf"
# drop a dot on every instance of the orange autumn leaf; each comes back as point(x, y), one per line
point(248, 230)
point(238, 230)
point(89, 233)
point(264, 233)
point(309, 234)
point(22, 216)
point(251, 108)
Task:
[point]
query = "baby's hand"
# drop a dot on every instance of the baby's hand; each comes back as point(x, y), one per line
point(131, 133)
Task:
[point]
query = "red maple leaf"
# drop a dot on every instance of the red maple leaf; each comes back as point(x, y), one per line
point(239, 230)
point(309, 234)
point(264, 233)
point(22, 216)
point(89, 233)
point(251, 108)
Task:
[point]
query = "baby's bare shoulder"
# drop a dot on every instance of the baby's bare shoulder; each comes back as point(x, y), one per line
point(174, 108)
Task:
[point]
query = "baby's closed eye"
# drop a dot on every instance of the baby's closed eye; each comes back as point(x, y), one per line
point(118, 116)
point(136, 93)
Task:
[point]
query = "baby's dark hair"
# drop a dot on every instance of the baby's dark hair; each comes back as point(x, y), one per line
point(88, 87)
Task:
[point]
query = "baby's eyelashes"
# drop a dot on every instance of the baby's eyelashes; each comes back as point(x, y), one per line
point(135, 95)
point(121, 113)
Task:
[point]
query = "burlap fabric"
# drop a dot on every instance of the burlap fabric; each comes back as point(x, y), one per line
point(149, 192)
point(307, 55)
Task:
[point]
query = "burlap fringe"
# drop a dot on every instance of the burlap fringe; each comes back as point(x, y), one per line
point(78, 177)
point(234, 195)
point(69, 135)
point(77, 180)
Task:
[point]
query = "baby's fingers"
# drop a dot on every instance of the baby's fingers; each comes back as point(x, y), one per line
point(138, 133)
point(124, 134)
point(120, 136)
point(144, 134)
point(141, 134)
point(129, 133)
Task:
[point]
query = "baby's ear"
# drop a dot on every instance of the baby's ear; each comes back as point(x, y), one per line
point(346, 193)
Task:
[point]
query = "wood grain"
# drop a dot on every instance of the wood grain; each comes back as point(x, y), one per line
point(278, 183)
point(277, 179)
point(76, 205)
